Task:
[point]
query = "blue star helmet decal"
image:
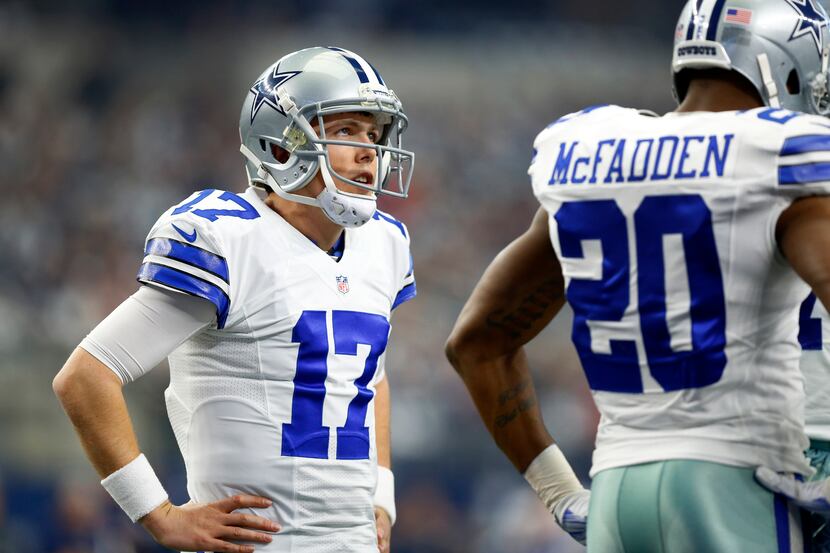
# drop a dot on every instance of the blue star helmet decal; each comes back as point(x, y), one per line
point(265, 90)
point(810, 22)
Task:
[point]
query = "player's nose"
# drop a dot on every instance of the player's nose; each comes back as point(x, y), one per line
point(366, 153)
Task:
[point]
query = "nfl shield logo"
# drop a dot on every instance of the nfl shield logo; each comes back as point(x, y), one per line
point(342, 284)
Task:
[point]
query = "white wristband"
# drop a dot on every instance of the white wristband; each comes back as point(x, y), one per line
point(136, 488)
point(385, 492)
point(552, 477)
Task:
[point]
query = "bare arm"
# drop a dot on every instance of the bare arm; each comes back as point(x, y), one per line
point(384, 448)
point(91, 396)
point(518, 295)
point(803, 235)
point(382, 423)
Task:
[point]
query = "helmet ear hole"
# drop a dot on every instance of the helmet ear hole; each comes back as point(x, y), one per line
point(793, 83)
point(279, 153)
point(681, 84)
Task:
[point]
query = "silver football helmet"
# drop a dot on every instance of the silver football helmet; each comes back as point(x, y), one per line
point(782, 47)
point(284, 151)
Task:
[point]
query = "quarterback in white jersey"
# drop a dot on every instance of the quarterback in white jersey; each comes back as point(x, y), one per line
point(274, 308)
point(683, 244)
point(289, 372)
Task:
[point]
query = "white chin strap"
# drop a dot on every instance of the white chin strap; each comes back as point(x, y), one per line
point(346, 210)
point(769, 81)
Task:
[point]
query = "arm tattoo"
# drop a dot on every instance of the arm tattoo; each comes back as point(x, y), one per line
point(514, 394)
point(524, 405)
point(514, 323)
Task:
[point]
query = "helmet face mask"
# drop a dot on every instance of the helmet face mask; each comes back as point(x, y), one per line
point(781, 47)
point(294, 96)
point(394, 168)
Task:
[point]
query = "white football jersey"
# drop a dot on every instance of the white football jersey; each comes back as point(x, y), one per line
point(814, 337)
point(276, 399)
point(685, 312)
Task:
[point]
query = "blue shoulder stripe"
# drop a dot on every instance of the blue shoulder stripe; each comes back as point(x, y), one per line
point(389, 219)
point(407, 293)
point(803, 174)
point(805, 144)
point(192, 255)
point(189, 284)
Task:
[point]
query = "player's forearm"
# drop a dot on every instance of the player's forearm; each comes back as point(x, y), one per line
point(803, 235)
point(518, 295)
point(384, 499)
point(383, 423)
point(503, 392)
point(91, 395)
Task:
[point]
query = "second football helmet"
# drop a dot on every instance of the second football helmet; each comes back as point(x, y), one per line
point(283, 149)
point(782, 47)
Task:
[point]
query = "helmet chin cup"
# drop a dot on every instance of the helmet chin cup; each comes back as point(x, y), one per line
point(347, 210)
point(344, 209)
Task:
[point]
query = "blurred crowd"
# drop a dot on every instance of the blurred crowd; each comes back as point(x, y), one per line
point(105, 123)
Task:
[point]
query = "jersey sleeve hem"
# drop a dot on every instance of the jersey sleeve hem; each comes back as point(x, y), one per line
point(106, 357)
point(405, 294)
point(183, 282)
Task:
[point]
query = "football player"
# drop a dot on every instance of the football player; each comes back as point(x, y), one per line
point(680, 242)
point(273, 308)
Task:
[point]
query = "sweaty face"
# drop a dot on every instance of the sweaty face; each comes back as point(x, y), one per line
point(357, 162)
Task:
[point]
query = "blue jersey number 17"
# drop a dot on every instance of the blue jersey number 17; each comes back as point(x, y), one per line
point(305, 435)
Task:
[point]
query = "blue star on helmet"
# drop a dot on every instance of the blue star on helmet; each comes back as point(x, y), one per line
point(810, 21)
point(265, 90)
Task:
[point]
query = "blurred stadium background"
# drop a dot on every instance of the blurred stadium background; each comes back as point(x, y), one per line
point(112, 111)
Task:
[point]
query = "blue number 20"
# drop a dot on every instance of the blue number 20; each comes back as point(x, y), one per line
point(305, 435)
point(608, 298)
point(809, 327)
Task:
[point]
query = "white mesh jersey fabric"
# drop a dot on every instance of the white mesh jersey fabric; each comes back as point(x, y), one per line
point(277, 401)
point(687, 209)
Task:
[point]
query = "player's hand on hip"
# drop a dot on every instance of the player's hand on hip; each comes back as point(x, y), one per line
point(571, 513)
point(384, 526)
point(208, 526)
point(813, 496)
